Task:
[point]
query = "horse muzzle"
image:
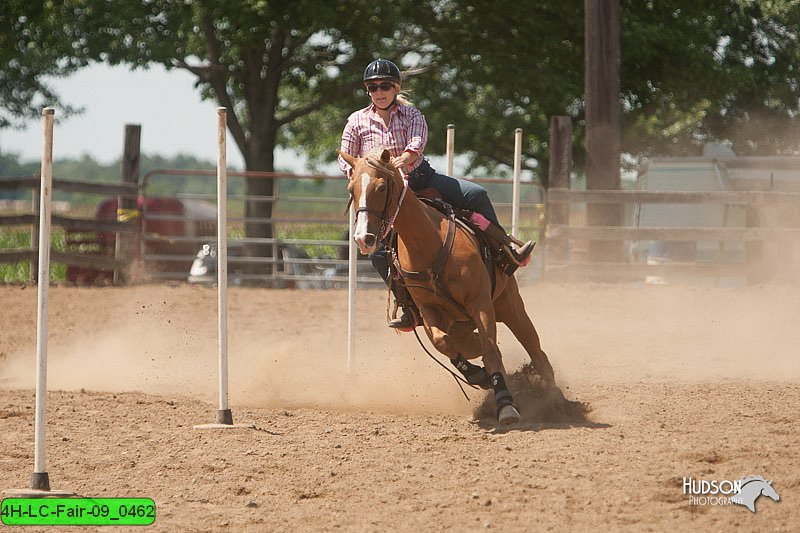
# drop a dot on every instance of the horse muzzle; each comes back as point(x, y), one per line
point(367, 242)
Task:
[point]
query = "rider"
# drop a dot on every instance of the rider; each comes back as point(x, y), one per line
point(393, 122)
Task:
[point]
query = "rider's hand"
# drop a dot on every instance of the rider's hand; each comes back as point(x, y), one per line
point(404, 159)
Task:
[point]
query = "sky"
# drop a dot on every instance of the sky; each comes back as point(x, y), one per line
point(173, 118)
point(169, 109)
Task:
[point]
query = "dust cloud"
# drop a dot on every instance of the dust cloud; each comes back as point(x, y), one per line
point(288, 349)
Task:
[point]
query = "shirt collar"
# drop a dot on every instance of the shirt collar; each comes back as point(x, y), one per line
point(372, 109)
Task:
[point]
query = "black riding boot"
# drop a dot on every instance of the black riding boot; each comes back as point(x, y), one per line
point(518, 252)
point(410, 317)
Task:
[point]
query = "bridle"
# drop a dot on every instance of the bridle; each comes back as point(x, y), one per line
point(386, 221)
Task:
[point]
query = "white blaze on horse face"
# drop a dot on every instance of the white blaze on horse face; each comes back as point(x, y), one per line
point(361, 231)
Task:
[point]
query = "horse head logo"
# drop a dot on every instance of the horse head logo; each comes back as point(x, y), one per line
point(751, 488)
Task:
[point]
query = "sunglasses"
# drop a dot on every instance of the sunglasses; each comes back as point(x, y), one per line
point(385, 86)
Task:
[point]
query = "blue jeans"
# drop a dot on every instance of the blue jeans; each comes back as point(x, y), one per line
point(456, 192)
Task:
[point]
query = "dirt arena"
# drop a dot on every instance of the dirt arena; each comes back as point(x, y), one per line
point(682, 382)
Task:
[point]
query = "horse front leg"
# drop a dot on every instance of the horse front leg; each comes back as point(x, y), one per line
point(456, 340)
point(507, 412)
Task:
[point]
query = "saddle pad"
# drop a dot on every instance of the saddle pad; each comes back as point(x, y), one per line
point(462, 217)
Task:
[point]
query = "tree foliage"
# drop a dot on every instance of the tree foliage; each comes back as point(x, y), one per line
point(691, 72)
point(34, 44)
point(289, 72)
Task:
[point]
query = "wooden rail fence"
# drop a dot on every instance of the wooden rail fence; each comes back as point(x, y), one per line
point(560, 234)
point(68, 223)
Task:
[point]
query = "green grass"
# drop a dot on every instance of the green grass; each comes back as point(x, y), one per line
point(322, 232)
point(20, 272)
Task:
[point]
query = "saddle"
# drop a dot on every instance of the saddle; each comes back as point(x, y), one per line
point(491, 259)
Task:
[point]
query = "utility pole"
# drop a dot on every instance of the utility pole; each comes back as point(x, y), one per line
point(602, 60)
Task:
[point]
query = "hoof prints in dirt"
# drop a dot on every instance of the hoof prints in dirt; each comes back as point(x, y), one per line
point(537, 403)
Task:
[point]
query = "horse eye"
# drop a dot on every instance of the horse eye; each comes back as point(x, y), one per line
point(381, 187)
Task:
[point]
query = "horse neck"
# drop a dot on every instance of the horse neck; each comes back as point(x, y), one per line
point(417, 230)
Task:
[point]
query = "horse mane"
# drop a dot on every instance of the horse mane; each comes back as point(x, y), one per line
point(373, 159)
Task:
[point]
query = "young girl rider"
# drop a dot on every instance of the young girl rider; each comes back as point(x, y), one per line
point(393, 122)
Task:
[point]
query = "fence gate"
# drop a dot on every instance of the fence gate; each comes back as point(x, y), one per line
point(755, 239)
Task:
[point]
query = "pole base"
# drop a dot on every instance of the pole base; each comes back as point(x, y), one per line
point(224, 416)
point(224, 421)
point(40, 481)
point(40, 488)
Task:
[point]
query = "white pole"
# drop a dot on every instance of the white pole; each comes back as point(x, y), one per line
point(352, 272)
point(451, 147)
point(40, 480)
point(224, 414)
point(517, 171)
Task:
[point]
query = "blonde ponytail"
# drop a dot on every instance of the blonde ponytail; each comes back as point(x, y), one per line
point(403, 97)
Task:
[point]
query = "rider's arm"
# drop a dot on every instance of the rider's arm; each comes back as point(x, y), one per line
point(351, 144)
point(417, 134)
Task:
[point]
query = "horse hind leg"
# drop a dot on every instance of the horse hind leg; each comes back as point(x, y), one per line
point(511, 311)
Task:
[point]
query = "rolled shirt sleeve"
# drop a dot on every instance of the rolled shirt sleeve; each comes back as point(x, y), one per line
point(417, 131)
point(351, 144)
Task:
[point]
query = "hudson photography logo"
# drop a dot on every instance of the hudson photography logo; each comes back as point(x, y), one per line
point(744, 491)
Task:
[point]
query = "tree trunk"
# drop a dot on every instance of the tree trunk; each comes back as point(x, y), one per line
point(603, 119)
point(260, 156)
point(558, 176)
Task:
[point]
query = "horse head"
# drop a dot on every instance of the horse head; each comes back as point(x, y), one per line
point(375, 187)
point(769, 491)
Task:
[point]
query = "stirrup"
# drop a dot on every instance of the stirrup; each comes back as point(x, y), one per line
point(407, 321)
point(522, 255)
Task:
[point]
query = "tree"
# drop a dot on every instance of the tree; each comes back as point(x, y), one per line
point(712, 70)
point(272, 64)
point(33, 45)
point(289, 71)
point(690, 73)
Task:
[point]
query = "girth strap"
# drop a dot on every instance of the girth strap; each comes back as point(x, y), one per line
point(462, 216)
point(429, 279)
point(432, 274)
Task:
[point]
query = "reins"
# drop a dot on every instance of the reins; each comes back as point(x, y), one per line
point(390, 222)
point(459, 379)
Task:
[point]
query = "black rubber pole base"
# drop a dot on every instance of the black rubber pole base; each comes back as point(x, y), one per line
point(40, 481)
point(224, 416)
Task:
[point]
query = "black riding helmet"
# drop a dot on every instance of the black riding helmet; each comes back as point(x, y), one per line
point(382, 69)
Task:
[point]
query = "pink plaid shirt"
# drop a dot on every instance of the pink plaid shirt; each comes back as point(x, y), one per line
point(365, 130)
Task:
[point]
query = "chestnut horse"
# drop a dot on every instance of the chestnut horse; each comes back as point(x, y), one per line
point(458, 309)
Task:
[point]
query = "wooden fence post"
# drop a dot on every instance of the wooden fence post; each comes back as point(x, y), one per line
point(126, 206)
point(559, 171)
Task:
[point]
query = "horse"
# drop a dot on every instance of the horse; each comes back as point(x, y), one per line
point(447, 278)
point(751, 488)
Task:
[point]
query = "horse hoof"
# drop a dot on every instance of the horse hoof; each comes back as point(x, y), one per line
point(508, 415)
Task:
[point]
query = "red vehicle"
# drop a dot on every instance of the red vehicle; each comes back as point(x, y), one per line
point(181, 218)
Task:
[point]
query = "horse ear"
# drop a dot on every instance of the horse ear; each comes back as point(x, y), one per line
point(386, 156)
point(347, 157)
